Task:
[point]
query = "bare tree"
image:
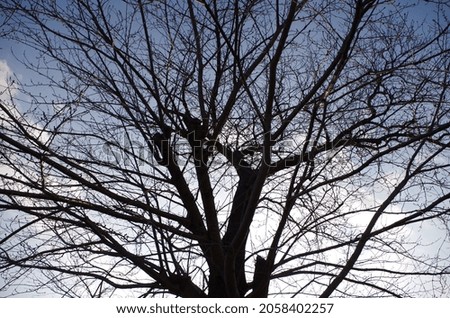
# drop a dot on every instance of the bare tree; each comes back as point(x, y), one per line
point(226, 148)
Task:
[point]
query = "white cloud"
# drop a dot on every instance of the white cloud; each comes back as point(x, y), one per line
point(7, 86)
point(9, 89)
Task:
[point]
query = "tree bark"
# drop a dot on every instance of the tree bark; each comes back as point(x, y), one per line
point(218, 285)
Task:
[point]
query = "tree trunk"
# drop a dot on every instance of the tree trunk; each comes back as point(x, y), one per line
point(217, 283)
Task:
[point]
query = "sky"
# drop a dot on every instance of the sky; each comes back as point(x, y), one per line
point(10, 67)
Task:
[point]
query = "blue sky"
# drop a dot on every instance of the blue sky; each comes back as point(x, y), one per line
point(10, 66)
